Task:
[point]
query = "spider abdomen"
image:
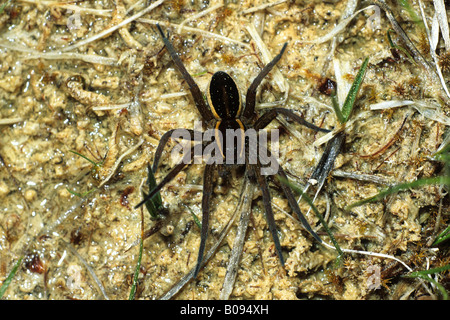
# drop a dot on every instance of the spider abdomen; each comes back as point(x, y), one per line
point(224, 97)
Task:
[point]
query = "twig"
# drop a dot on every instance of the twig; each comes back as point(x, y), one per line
point(433, 42)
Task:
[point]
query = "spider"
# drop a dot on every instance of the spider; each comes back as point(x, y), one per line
point(224, 110)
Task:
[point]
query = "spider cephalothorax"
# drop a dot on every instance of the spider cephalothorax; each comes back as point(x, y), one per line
point(224, 113)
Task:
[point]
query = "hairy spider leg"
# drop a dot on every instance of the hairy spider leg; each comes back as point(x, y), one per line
point(326, 162)
point(250, 99)
point(262, 181)
point(185, 161)
point(263, 185)
point(261, 123)
point(206, 204)
point(194, 135)
point(294, 205)
point(272, 113)
point(193, 87)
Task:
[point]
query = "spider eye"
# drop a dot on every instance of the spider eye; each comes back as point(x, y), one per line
point(223, 96)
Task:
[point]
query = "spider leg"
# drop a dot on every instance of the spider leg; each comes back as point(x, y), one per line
point(206, 204)
point(270, 115)
point(194, 136)
point(193, 87)
point(262, 182)
point(187, 158)
point(326, 162)
point(294, 205)
point(250, 99)
point(291, 198)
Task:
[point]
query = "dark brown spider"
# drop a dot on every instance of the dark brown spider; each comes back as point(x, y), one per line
point(222, 112)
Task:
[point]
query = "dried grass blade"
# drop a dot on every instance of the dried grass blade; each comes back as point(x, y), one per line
point(10, 121)
point(433, 39)
point(90, 270)
point(389, 143)
point(114, 28)
point(339, 28)
point(183, 281)
point(199, 15)
point(119, 160)
point(362, 177)
point(399, 30)
point(266, 56)
point(236, 252)
point(409, 44)
point(263, 6)
point(204, 33)
point(441, 12)
point(326, 162)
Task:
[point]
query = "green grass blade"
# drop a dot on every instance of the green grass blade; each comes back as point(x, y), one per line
point(3, 6)
point(136, 271)
point(154, 204)
point(443, 154)
point(194, 216)
point(150, 206)
point(412, 13)
point(152, 184)
point(132, 295)
point(394, 46)
point(430, 271)
point(424, 274)
point(353, 92)
point(400, 187)
point(84, 157)
point(8, 280)
point(336, 107)
point(443, 236)
point(81, 195)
